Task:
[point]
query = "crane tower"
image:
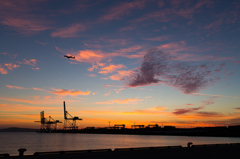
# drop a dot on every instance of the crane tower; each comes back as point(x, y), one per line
point(46, 123)
point(69, 121)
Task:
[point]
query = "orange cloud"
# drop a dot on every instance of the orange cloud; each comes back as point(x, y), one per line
point(96, 66)
point(11, 66)
point(89, 56)
point(16, 87)
point(95, 56)
point(149, 111)
point(18, 100)
point(31, 62)
point(64, 92)
point(38, 89)
point(3, 70)
point(69, 31)
point(36, 68)
point(121, 74)
point(111, 68)
point(20, 107)
point(121, 101)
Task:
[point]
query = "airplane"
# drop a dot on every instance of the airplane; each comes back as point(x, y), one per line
point(69, 57)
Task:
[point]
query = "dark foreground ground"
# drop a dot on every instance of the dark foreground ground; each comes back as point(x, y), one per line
point(213, 151)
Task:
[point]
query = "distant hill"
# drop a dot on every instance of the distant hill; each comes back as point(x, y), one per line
point(15, 129)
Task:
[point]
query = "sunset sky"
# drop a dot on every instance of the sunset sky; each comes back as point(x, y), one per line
point(170, 62)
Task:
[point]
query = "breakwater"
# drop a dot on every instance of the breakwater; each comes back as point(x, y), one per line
point(222, 151)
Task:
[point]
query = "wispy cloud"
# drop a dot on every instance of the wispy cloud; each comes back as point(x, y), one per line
point(177, 9)
point(91, 75)
point(65, 92)
point(213, 95)
point(3, 70)
point(111, 68)
point(122, 74)
point(122, 101)
point(209, 101)
point(96, 56)
point(148, 111)
point(11, 66)
point(71, 31)
point(160, 38)
point(123, 9)
point(41, 43)
point(186, 110)
point(18, 15)
point(19, 100)
point(31, 62)
point(15, 87)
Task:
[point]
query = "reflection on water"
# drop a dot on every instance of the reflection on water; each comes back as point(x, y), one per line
point(33, 142)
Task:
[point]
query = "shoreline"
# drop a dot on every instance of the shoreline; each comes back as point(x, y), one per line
point(226, 150)
point(201, 132)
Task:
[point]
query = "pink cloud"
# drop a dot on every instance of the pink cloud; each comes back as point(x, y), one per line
point(11, 66)
point(32, 62)
point(18, 15)
point(36, 68)
point(178, 9)
point(121, 101)
point(122, 9)
point(91, 75)
point(16, 87)
point(121, 75)
point(186, 110)
point(68, 32)
point(130, 49)
point(96, 66)
point(3, 70)
point(64, 92)
point(149, 111)
point(25, 26)
point(89, 56)
point(111, 68)
point(41, 43)
point(38, 89)
point(128, 28)
point(95, 56)
point(210, 100)
point(18, 100)
point(161, 38)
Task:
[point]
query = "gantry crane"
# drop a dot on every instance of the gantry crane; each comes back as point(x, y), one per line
point(46, 123)
point(69, 121)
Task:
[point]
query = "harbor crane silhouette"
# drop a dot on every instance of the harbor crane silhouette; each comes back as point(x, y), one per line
point(69, 120)
point(46, 123)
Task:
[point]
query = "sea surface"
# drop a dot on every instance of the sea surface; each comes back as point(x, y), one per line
point(10, 142)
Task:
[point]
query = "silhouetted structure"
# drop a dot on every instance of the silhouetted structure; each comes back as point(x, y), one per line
point(137, 126)
point(153, 126)
point(46, 123)
point(69, 121)
point(119, 126)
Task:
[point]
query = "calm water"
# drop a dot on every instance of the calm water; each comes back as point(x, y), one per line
point(10, 142)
